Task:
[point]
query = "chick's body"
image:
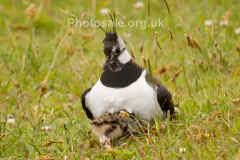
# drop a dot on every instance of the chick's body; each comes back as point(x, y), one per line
point(112, 126)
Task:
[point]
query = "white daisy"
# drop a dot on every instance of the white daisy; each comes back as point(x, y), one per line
point(104, 11)
point(10, 119)
point(46, 128)
point(139, 5)
point(237, 30)
point(208, 22)
point(223, 23)
point(182, 150)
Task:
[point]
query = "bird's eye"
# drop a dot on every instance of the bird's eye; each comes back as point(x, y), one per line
point(118, 50)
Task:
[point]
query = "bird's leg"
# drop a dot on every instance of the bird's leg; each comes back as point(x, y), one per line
point(106, 142)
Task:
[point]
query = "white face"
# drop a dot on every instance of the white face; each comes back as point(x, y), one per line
point(124, 57)
point(121, 43)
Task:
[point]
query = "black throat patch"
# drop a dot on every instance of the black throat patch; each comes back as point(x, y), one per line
point(123, 78)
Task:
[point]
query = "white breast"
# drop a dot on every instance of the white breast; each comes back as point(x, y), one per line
point(138, 98)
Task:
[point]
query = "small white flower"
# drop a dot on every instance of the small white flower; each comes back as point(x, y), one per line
point(223, 23)
point(237, 30)
point(10, 119)
point(208, 22)
point(139, 5)
point(104, 11)
point(46, 128)
point(182, 150)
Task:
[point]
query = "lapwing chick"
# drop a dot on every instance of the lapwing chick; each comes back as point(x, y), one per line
point(111, 126)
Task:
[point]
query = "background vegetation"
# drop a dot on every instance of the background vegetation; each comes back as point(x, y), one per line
point(46, 64)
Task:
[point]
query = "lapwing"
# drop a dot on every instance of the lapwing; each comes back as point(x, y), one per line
point(111, 126)
point(124, 85)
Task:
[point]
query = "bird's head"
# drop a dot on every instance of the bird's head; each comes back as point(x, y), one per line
point(114, 48)
point(113, 45)
point(115, 52)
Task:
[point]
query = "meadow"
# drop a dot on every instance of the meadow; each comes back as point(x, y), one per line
point(46, 63)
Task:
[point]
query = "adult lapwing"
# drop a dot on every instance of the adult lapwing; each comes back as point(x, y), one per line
point(124, 85)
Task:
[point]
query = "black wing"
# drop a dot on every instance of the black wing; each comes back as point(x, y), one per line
point(86, 110)
point(164, 97)
point(165, 100)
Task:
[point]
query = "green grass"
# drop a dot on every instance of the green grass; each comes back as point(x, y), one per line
point(208, 123)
